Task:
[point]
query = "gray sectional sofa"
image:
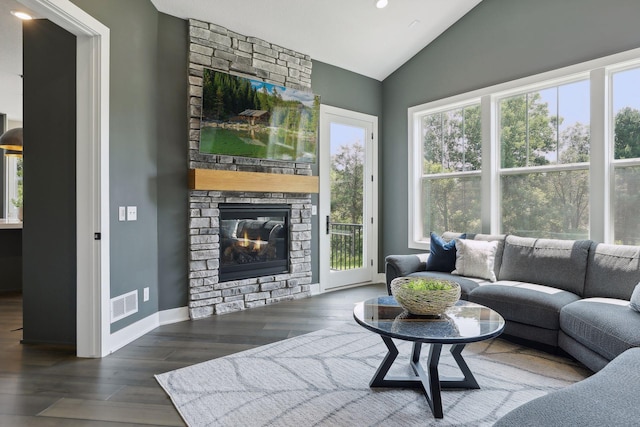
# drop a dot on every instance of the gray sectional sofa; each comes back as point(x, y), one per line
point(567, 294)
point(571, 294)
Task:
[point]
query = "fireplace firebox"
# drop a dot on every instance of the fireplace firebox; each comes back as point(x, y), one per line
point(254, 240)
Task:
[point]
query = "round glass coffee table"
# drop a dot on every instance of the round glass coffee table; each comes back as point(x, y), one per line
point(464, 323)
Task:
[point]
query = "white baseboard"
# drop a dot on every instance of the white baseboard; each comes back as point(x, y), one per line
point(130, 333)
point(174, 315)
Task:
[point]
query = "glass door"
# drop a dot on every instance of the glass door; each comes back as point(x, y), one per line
point(349, 227)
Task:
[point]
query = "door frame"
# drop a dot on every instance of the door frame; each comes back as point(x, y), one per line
point(92, 171)
point(325, 200)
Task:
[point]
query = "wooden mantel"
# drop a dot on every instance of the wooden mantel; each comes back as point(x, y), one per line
point(222, 180)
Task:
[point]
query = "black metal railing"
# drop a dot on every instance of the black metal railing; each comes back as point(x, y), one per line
point(346, 246)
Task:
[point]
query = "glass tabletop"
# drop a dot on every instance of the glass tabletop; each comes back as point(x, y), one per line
point(465, 322)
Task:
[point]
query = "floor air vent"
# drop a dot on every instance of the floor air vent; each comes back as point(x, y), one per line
point(124, 305)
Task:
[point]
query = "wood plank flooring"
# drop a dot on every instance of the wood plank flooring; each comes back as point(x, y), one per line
point(46, 386)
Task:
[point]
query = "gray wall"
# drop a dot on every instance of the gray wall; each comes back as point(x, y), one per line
point(343, 89)
point(173, 196)
point(133, 150)
point(49, 230)
point(497, 41)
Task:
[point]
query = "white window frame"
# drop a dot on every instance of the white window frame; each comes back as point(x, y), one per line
point(601, 166)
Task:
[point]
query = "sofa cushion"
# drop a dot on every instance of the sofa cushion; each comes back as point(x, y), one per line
point(612, 271)
point(466, 284)
point(527, 303)
point(605, 325)
point(476, 258)
point(558, 263)
point(442, 254)
point(608, 398)
point(634, 302)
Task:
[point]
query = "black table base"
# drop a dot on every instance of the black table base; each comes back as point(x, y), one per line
point(429, 381)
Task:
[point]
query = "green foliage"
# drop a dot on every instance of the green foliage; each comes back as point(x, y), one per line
point(627, 179)
point(18, 201)
point(428, 285)
point(225, 96)
point(347, 186)
point(627, 134)
point(526, 131)
point(452, 143)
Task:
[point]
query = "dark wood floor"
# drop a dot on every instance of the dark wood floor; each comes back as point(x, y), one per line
point(49, 386)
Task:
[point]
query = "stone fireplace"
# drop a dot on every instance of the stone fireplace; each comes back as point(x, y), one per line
point(208, 293)
point(217, 255)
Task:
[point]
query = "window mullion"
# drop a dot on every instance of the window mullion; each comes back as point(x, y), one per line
point(490, 188)
point(600, 226)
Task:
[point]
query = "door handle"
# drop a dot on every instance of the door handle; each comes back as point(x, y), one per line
point(328, 224)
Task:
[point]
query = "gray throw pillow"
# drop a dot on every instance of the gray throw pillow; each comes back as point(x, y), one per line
point(635, 298)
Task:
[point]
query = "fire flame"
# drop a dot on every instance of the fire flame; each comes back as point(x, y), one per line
point(245, 240)
point(258, 244)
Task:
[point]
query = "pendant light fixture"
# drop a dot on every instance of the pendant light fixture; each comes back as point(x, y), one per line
point(12, 140)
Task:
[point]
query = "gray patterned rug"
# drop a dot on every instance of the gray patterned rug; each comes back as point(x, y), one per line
point(321, 379)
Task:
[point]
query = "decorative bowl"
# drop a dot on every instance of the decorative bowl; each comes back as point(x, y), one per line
point(425, 296)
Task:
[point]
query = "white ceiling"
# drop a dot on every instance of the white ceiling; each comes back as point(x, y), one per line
point(350, 34)
point(10, 60)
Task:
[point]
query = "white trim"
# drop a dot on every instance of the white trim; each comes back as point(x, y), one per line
point(490, 179)
point(599, 171)
point(92, 173)
point(142, 327)
point(173, 315)
point(370, 210)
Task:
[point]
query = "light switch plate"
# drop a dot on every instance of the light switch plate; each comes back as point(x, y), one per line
point(122, 213)
point(145, 294)
point(132, 213)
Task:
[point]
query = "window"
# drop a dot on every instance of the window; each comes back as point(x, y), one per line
point(544, 175)
point(451, 166)
point(13, 189)
point(626, 149)
point(555, 155)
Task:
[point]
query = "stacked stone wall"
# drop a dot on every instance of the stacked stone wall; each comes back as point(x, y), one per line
point(215, 47)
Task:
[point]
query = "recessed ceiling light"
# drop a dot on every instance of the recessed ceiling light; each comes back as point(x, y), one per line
point(414, 23)
point(381, 3)
point(21, 15)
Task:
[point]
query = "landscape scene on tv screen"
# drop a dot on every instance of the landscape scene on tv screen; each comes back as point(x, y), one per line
point(252, 118)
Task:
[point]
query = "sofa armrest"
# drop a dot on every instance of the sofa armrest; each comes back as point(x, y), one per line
point(403, 265)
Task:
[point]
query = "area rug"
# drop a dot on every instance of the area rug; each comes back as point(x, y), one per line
point(322, 379)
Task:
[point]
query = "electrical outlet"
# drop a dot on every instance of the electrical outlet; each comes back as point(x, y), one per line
point(122, 213)
point(132, 213)
point(145, 294)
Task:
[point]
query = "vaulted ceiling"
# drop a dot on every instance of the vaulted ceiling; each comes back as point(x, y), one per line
point(350, 34)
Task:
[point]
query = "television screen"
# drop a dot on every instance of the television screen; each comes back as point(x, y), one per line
point(251, 118)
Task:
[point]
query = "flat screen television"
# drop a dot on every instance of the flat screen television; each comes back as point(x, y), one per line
point(251, 118)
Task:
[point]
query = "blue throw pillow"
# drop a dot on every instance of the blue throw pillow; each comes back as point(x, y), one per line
point(635, 298)
point(443, 254)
